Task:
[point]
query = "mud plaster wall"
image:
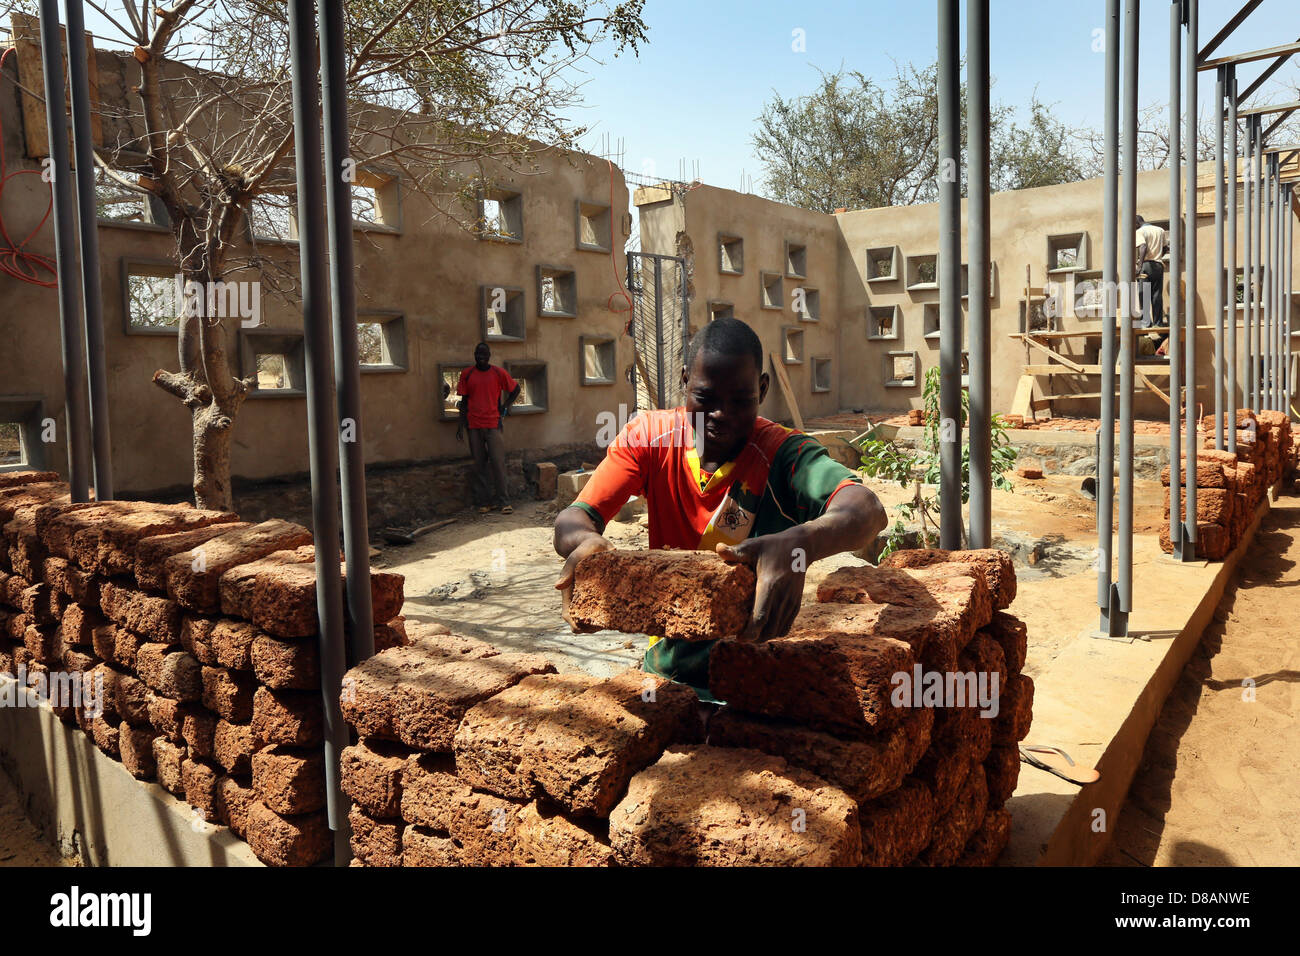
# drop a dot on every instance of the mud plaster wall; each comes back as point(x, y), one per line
point(1021, 222)
point(427, 271)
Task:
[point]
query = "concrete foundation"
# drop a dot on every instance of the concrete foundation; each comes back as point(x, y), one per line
point(94, 807)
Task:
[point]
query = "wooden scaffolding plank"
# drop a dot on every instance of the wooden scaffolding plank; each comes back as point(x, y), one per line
point(27, 47)
point(783, 380)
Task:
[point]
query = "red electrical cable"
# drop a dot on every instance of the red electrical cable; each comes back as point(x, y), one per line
point(15, 260)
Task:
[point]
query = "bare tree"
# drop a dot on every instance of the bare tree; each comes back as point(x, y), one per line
point(439, 91)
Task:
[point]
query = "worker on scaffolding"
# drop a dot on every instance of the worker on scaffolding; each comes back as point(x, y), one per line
point(1150, 241)
point(716, 476)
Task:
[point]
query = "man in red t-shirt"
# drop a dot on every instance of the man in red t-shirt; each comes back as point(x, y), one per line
point(481, 387)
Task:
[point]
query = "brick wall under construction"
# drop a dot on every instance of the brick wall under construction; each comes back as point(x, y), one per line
point(194, 635)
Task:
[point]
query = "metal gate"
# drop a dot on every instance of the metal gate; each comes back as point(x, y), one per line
point(659, 327)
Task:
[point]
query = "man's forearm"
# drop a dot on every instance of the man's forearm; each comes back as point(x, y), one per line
point(572, 527)
point(851, 522)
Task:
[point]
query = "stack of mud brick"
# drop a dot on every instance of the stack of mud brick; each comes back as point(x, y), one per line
point(195, 638)
point(1230, 486)
point(469, 756)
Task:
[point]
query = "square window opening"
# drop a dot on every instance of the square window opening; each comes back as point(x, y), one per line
point(531, 377)
point(381, 341)
point(449, 376)
point(1068, 252)
point(772, 291)
point(598, 360)
point(275, 361)
point(22, 419)
point(882, 264)
point(557, 292)
point(923, 272)
point(796, 260)
point(731, 254)
point(721, 310)
point(807, 304)
point(883, 321)
point(116, 202)
point(272, 217)
point(902, 369)
point(792, 345)
point(13, 445)
point(152, 301)
point(821, 374)
point(501, 215)
point(593, 223)
point(502, 314)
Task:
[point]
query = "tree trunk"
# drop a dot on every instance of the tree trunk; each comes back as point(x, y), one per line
point(206, 386)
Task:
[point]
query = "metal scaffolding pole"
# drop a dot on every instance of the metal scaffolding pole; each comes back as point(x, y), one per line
point(1189, 310)
point(950, 523)
point(1256, 268)
point(1279, 400)
point(88, 229)
point(1175, 273)
point(1107, 599)
point(1233, 311)
point(1247, 260)
point(1128, 268)
point(1219, 289)
point(72, 333)
point(1266, 285)
point(322, 429)
point(978, 237)
point(1270, 282)
point(1288, 386)
point(347, 363)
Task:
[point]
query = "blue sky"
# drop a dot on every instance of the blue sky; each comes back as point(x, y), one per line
point(699, 84)
point(708, 67)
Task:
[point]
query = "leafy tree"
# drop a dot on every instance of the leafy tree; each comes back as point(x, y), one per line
point(857, 144)
point(439, 91)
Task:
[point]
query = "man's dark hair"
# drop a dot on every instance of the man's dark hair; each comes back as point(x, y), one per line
point(482, 345)
point(1141, 222)
point(726, 337)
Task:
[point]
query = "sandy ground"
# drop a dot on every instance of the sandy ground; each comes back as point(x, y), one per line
point(1217, 784)
point(21, 843)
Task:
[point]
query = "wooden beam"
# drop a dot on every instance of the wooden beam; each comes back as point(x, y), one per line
point(1284, 50)
point(1160, 371)
point(784, 381)
point(1074, 366)
point(27, 47)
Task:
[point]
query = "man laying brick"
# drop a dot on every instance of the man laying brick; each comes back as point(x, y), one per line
point(754, 491)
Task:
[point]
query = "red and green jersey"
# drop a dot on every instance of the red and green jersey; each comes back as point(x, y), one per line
point(781, 478)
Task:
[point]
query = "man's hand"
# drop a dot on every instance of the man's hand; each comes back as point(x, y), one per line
point(460, 433)
point(780, 562)
point(590, 545)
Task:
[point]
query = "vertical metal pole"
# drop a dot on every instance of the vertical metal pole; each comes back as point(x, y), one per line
point(1219, 290)
point(88, 225)
point(1248, 263)
point(1274, 265)
point(1110, 228)
point(661, 360)
point(347, 367)
point(1266, 284)
point(1124, 532)
point(978, 238)
point(1175, 344)
point(1233, 311)
point(71, 330)
point(1189, 310)
point(1287, 384)
point(1257, 268)
point(949, 277)
point(322, 433)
